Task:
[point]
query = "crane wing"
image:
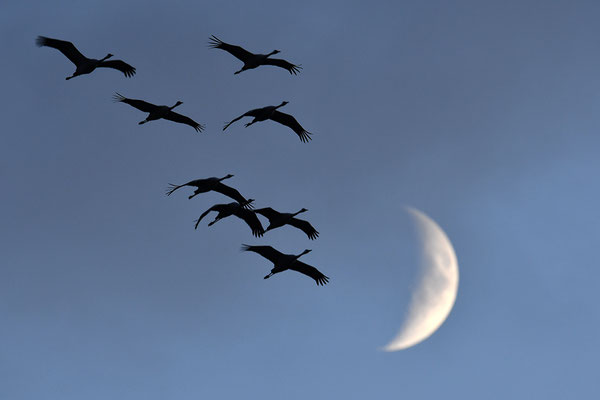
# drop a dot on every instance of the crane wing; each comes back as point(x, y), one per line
point(267, 212)
point(292, 69)
point(305, 226)
point(311, 271)
point(182, 119)
point(251, 113)
point(251, 219)
point(139, 104)
point(233, 120)
point(236, 51)
point(172, 187)
point(202, 216)
point(205, 213)
point(289, 121)
point(122, 66)
point(266, 251)
point(231, 192)
point(67, 48)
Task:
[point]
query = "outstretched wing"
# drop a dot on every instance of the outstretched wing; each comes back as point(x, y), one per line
point(233, 120)
point(196, 182)
point(172, 187)
point(67, 48)
point(182, 119)
point(236, 51)
point(231, 192)
point(289, 121)
point(304, 226)
point(278, 62)
point(204, 214)
point(251, 219)
point(267, 212)
point(266, 251)
point(251, 113)
point(122, 66)
point(310, 271)
point(139, 104)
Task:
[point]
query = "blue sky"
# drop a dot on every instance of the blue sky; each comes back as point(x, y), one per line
point(483, 115)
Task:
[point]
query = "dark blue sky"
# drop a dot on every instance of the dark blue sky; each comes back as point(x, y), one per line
point(483, 116)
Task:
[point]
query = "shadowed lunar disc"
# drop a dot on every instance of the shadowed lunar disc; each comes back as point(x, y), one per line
point(437, 284)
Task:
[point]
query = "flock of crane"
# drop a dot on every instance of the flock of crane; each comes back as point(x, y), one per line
point(241, 207)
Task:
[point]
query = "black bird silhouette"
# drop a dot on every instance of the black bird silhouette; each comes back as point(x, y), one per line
point(277, 219)
point(251, 60)
point(270, 112)
point(237, 209)
point(282, 262)
point(214, 184)
point(158, 112)
point(84, 65)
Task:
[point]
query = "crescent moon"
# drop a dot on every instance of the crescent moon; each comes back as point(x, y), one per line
point(437, 285)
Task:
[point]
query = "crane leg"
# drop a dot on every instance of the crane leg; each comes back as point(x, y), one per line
point(268, 276)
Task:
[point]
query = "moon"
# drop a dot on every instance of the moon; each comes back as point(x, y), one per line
point(436, 288)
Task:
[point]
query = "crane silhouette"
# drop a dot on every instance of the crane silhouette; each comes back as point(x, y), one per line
point(212, 184)
point(237, 209)
point(277, 219)
point(252, 60)
point(271, 112)
point(283, 262)
point(83, 64)
point(157, 112)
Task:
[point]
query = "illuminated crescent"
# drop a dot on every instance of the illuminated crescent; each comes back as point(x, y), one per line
point(437, 285)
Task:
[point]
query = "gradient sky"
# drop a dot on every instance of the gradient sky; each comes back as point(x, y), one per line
point(483, 115)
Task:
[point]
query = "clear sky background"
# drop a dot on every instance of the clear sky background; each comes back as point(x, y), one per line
point(483, 115)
